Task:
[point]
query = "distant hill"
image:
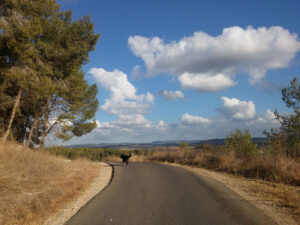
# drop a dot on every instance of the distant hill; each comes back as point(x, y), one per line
point(216, 141)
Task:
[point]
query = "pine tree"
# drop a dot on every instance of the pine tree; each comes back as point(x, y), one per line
point(286, 139)
point(74, 41)
point(20, 28)
point(41, 54)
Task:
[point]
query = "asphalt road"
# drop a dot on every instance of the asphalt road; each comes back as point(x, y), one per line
point(145, 193)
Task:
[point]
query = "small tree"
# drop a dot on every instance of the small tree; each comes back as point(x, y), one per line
point(240, 143)
point(183, 145)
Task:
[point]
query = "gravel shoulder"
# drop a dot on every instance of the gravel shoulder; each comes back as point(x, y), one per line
point(264, 195)
point(105, 175)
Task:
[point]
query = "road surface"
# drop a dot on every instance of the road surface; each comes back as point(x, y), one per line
point(145, 193)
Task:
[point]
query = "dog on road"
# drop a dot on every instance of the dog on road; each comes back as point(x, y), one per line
point(125, 158)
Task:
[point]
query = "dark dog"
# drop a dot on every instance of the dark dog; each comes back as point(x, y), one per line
point(125, 158)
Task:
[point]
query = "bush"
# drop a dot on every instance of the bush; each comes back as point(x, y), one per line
point(241, 143)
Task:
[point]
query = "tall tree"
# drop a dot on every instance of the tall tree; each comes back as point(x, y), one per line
point(73, 40)
point(20, 27)
point(286, 139)
point(40, 49)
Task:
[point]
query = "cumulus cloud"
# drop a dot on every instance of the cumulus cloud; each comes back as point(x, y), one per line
point(205, 82)
point(187, 119)
point(234, 108)
point(267, 118)
point(269, 115)
point(171, 95)
point(124, 102)
point(123, 98)
point(210, 63)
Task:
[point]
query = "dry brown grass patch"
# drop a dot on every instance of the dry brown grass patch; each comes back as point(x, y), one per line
point(34, 184)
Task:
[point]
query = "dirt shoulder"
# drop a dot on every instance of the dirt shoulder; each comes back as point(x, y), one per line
point(105, 174)
point(278, 201)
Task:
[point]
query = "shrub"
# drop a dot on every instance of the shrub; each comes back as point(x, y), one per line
point(241, 143)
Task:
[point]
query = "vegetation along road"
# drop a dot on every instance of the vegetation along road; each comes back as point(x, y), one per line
point(151, 193)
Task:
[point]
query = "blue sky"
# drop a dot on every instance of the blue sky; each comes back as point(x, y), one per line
point(159, 80)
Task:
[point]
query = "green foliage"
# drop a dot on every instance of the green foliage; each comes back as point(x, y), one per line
point(286, 139)
point(183, 145)
point(240, 143)
point(42, 51)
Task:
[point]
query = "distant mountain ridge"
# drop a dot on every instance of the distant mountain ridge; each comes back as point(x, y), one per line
point(215, 141)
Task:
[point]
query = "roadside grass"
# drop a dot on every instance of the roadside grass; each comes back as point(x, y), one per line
point(267, 167)
point(35, 184)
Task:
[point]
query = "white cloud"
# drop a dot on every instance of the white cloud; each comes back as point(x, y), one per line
point(172, 95)
point(269, 115)
point(210, 63)
point(137, 72)
point(132, 120)
point(123, 98)
point(149, 97)
point(204, 82)
point(115, 82)
point(161, 123)
point(268, 118)
point(124, 102)
point(233, 108)
point(187, 119)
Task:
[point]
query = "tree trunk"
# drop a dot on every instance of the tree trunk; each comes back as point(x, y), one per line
point(36, 119)
point(12, 115)
point(46, 114)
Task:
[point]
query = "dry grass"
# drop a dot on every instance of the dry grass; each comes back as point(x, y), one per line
point(266, 167)
point(34, 184)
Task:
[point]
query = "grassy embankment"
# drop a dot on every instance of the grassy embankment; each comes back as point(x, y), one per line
point(35, 184)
